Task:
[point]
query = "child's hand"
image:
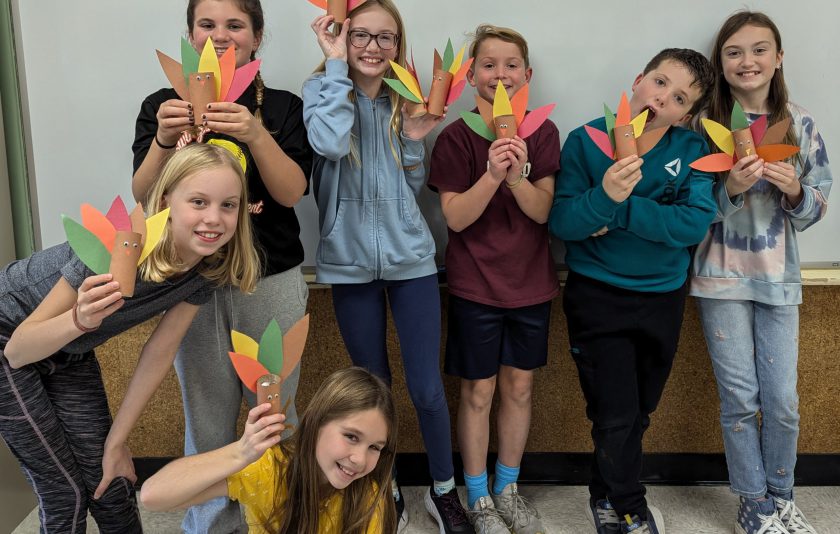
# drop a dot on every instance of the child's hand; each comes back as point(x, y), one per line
point(744, 174)
point(232, 119)
point(333, 46)
point(261, 433)
point(783, 176)
point(600, 232)
point(498, 159)
point(98, 298)
point(622, 177)
point(419, 127)
point(518, 156)
point(173, 117)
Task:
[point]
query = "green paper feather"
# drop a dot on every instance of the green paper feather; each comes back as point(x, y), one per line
point(271, 348)
point(609, 117)
point(739, 118)
point(476, 124)
point(403, 91)
point(448, 55)
point(87, 246)
point(189, 59)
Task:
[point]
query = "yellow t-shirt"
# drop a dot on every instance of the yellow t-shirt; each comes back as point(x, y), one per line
point(256, 488)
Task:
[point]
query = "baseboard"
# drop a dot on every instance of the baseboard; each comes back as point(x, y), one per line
point(573, 469)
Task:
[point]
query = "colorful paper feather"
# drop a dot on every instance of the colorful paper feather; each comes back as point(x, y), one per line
point(324, 4)
point(276, 353)
point(606, 140)
point(767, 142)
point(526, 123)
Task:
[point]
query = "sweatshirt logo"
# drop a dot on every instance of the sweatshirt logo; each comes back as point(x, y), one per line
point(674, 167)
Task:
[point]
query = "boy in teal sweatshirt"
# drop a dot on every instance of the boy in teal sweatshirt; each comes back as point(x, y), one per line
point(627, 226)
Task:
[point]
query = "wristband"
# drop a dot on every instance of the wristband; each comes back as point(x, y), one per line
point(515, 183)
point(161, 145)
point(79, 325)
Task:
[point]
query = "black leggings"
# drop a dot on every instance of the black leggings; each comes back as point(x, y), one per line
point(54, 418)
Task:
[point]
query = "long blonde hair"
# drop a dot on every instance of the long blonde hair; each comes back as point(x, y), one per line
point(343, 394)
point(236, 263)
point(397, 101)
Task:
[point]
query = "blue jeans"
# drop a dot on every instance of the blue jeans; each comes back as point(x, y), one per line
point(415, 306)
point(754, 349)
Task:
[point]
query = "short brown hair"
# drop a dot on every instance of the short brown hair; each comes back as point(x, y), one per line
point(696, 63)
point(489, 31)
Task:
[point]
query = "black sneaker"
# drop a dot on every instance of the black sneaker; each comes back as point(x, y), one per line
point(448, 512)
point(402, 515)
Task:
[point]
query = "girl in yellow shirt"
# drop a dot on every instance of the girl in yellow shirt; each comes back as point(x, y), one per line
point(331, 476)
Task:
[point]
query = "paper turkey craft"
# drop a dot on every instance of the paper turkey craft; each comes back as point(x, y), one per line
point(744, 139)
point(506, 117)
point(337, 8)
point(624, 136)
point(117, 242)
point(208, 78)
point(263, 366)
point(448, 82)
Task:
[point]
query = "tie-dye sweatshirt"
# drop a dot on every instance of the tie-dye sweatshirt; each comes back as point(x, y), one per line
point(750, 251)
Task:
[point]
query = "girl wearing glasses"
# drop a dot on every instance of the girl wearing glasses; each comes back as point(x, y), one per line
point(375, 245)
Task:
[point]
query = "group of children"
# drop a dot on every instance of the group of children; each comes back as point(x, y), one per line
point(629, 227)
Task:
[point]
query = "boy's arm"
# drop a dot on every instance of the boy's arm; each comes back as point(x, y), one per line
point(328, 111)
point(535, 198)
point(581, 205)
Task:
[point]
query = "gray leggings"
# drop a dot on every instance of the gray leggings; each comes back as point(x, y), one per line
point(211, 390)
point(54, 418)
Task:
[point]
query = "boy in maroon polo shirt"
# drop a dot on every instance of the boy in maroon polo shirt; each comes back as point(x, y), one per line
point(501, 278)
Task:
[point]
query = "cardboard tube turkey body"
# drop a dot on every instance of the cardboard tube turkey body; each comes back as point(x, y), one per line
point(744, 145)
point(338, 9)
point(268, 390)
point(202, 92)
point(441, 81)
point(625, 141)
point(124, 256)
point(505, 126)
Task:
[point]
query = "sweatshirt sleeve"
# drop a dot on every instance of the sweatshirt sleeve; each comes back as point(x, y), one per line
point(815, 177)
point(413, 153)
point(327, 110)
point(581, 206)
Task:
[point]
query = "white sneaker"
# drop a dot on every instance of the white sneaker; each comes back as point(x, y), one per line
point(519, 515)
point(485, 518)
point(792, 517)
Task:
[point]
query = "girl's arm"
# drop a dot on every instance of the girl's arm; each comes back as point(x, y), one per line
point(155, 361)
point(172, 118)
point(51, 326)
point(198, 478)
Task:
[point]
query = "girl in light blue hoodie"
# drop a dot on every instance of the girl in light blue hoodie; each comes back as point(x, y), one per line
point(746, 276)
point(375, 245)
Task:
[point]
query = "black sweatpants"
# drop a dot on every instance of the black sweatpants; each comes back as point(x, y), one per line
point(623, 343)
point(54, 418)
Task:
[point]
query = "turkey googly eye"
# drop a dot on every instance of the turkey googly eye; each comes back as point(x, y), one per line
point(135, 245)
point(125, 243)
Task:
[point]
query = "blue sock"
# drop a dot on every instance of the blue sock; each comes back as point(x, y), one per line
point(476, 487)
point(504, 475)
point(444, 487)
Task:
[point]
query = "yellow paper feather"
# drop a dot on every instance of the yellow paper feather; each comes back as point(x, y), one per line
point(155, 226)
point(720, 134)
point(639, 123)
point(408, 80)
point(244, 345)
point(209, 62)
point(501, 102)
point(456, 63)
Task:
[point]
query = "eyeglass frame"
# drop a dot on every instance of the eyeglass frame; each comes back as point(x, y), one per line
point(373, 36)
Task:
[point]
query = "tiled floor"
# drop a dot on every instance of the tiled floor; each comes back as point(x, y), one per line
point(687, 510)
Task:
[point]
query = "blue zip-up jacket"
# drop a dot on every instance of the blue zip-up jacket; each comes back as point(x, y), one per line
point(371, 226)
point(646, 247)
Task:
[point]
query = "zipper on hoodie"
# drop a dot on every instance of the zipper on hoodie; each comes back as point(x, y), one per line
point(378, 248)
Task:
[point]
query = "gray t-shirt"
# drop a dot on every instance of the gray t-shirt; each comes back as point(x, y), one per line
point(25, 283)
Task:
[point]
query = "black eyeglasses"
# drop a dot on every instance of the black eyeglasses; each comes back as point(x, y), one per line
point(361, 38)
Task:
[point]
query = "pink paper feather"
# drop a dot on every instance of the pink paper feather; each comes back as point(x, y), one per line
point(242, 78)
point(758, 128)
point(534, 120)
point(601, 140)
point(118, 215)
point(352, 4)
point(455, 92)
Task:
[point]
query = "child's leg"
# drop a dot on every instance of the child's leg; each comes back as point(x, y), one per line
point(81, 406)
point(474, 434)
point(361, 315)
point(728, 329)
point(776, 351)
point(34, 435)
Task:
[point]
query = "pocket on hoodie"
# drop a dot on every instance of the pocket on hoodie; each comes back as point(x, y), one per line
point(409, 241)
point(346, 243)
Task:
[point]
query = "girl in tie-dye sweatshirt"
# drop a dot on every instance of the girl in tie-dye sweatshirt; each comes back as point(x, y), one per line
point(746, 276)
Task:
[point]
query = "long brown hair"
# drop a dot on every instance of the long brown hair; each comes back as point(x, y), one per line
point(721, 101)
point(343, 394)
point(252, 8)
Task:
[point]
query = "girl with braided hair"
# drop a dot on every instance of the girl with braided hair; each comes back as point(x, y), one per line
point(266, 126)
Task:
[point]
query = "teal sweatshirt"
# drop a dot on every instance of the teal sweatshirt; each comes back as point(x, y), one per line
point(647, 246)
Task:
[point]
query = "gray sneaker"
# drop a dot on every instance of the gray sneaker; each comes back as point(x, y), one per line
point(519, 515)
point(485, 518)
point(758, 517)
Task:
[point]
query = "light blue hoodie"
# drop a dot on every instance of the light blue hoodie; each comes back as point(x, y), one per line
point(371, 226)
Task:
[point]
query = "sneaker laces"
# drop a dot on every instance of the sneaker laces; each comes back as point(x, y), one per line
point(487, 516)
point(771, 524)
point(792, 518)
point(452, 509)
point(606, 513)
point(520, 508)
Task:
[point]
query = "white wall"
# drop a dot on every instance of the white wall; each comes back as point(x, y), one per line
point(88, 65)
